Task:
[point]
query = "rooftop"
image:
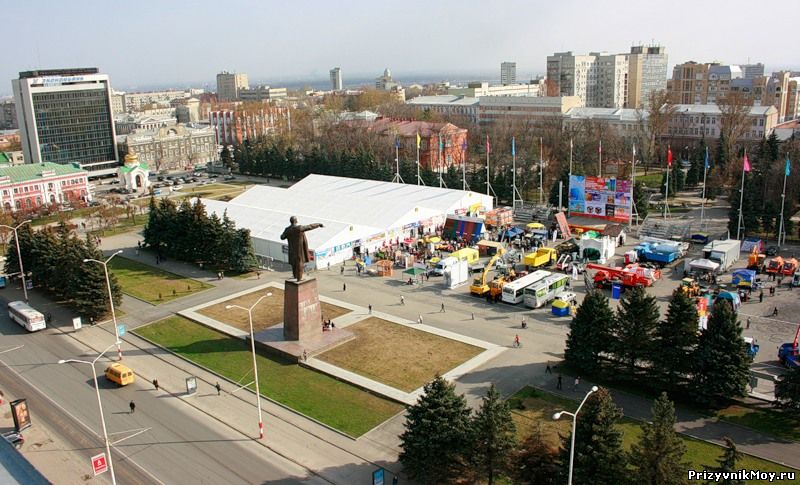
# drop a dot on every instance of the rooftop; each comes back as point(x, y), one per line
point(713, 109)
point(28, 171)
point(445, 99)
point(620, 114)
point(71, 71)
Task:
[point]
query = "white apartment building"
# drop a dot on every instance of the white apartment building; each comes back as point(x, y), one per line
point(448, 105)
point(508, 73)
point(139, 101)
point(524, 108)
point(480, 89)
point(703, 121)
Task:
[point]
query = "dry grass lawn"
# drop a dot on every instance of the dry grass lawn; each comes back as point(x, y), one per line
point(268, 313)
point(396, 355)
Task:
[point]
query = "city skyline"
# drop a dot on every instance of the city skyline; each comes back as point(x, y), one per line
point(181, 44)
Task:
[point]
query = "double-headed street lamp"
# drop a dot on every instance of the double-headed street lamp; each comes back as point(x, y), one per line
point(557, 415)
point(19, 255)
point(99, 403)
point(255, 367)
point(110, 297)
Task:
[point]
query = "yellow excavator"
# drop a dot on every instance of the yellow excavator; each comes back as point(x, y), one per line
point(479, 286)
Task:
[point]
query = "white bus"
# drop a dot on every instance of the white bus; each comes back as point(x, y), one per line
point(22, 313)
point(546, 290)
point(513, 291)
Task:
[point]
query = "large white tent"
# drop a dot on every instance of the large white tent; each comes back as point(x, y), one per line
point(357, 214)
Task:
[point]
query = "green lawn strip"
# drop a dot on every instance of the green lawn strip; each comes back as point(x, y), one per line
point(650, 180)
point(124, 225)
point(540, 407)
point(330, 401)
point(147, 283)
point(762, 417)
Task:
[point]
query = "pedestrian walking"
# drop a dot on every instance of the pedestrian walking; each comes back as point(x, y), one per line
point(402, 300)
point(218, 388)
point(442, 309)
point(577, 383)
point(341, 270)
point(305, 355)
point(155, 383)
point(344, 287)
point(558, 382)
point(775, 312)
point(329, 265)
point(548, 370)
point(370, 308)
point(419, 319)
point(472, 314)
point(132, 406)
point(748, 322)
point(516, 341)
point(761, 296)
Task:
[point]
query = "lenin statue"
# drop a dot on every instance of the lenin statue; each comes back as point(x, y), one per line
point(298, 245)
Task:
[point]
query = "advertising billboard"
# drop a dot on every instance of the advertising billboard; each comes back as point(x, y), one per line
point(605, 198)
point(19, 411)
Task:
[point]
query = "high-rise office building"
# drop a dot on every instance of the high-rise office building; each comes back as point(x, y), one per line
point(229, 84)
point(702, 83)
point(508, 73)
point(336, 79)
point(647, 72)
point(65, 117)
point(752, 71)
point(598, 79)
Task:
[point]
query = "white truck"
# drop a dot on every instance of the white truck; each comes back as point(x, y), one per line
point(443, 264)
point(724, 252)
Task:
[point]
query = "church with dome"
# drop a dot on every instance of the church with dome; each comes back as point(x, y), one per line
point(134, 175)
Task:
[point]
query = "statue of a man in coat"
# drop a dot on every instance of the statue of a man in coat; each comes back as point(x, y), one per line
point(298, 245)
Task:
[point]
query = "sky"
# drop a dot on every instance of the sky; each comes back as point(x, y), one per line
point(179, 43)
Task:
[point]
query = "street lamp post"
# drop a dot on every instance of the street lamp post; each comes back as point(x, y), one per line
point(19, 255)
point(557, 415)
point(99, 403)
point(253, 350)
point(110, 298)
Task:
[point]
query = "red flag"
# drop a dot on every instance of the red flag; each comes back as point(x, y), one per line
point(488, 147)
point(746, 163)
point(669, 157)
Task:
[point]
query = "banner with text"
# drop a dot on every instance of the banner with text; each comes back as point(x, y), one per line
point(604, 198)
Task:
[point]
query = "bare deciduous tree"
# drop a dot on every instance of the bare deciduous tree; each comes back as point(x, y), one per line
point(734, 118)
point(660, 110)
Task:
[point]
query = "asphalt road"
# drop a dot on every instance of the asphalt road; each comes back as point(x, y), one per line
point(178, 444)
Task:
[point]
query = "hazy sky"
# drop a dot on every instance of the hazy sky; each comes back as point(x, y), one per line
point(149, 42)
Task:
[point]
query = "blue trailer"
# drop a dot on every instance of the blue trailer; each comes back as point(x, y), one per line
point(661, 254)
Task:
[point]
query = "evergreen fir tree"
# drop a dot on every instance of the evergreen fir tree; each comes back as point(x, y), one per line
point(243, 257)
point(641, 197)
point(787, 390)
point(722, 363)
point(589, 333)
point(658, 456)
point(722, 151)
point(536, 462)
point(674, 341)
point(599, 458)
point(636, 321)
point(563, 178)
point(494, 438)
point(727, 463)
point(437, 434)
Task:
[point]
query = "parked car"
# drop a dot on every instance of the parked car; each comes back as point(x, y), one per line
point(229, 177)
point(160, 178)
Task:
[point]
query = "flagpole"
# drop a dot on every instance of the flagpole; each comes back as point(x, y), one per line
point(633, 186)
point(541, 171)
point(488, 185)
point(666, 184)
point(741, 198)
point(397, 178)
point(570, 157)
point(600, 160)
point(419, 179)
point(703, 203)
point(513, 173)
point(441, 181)
point(464, 165)
point(783, 200)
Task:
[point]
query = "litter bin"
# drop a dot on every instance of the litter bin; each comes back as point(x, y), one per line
point(616, 291)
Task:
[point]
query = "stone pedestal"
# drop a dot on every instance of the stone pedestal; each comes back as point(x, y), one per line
point(302, 311)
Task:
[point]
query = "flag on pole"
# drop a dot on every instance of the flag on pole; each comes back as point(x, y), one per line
point(788, 166)
point(570, 143)
point(600, 148)
point(707, 161)
point(464, 145)
point(440, 143)
point(488, 147)
point(513, 147)
point(746, 164)
point(669, 156)
point(418, 140)
point(397, 142)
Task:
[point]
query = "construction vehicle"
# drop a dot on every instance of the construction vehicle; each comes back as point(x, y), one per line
point(690, 287)
point(479, 286)
point(606, 276)
point(789, 267)
point(787, 353)
point(564, 262)
point(541, 258)
point(755, 260)
point(775, 265)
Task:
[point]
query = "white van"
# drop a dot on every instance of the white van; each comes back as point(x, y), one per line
point(442, 265)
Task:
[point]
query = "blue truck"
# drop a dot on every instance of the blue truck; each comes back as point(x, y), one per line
point(788, 353)
point(661, 254)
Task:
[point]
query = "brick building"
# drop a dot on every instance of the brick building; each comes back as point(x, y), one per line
point(453, 140)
